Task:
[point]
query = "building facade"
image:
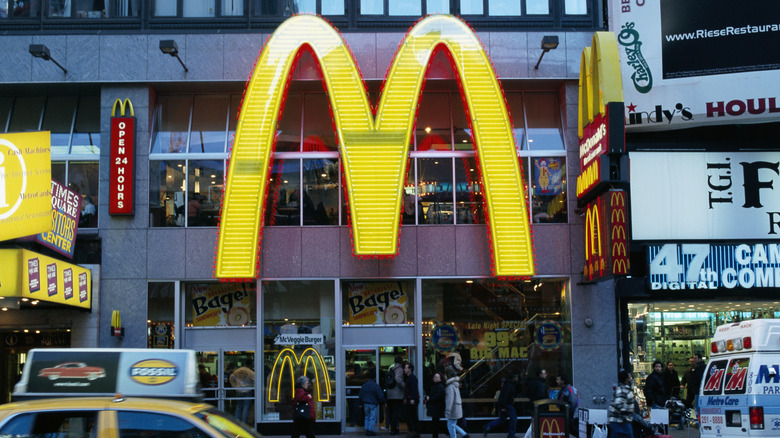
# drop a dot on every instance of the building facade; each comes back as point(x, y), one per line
point(315, 304)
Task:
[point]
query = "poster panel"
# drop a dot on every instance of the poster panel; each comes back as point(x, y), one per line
point(687, 64)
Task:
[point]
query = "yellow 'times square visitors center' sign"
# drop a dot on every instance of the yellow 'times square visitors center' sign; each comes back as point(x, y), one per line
point(25, 184)
point(374, 146)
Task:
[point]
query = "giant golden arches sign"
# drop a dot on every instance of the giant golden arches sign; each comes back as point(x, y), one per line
point(600, 80)
point(374, 149)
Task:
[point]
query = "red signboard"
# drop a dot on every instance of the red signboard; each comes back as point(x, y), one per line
point(605, 134)
point(606, 236)
point(121, 173)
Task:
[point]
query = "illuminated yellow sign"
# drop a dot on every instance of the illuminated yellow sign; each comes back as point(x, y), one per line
point(374, 149)
point(25, 184)
point(600, 80)
point(288, 358)
point(34, 276)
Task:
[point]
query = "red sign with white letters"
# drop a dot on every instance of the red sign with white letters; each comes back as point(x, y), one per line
point(121, 174)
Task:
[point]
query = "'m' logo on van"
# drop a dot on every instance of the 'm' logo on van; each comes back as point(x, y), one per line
point(713, 382)
point(768, 375)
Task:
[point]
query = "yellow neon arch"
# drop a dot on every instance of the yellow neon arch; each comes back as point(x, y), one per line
point(600, 80)
point(284, 361)
point(374, 150)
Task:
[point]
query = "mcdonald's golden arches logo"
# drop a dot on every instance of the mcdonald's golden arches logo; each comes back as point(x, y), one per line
point(374, 146)
point(123, 105)
point(606, 236)
point(552, 427)
point(289, 361)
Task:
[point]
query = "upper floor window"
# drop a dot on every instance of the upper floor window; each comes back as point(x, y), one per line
point(74, 123)
point(198, 8)
point(191, 135)
point(92, 8)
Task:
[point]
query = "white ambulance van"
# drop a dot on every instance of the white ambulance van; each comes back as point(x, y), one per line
point(740, 391)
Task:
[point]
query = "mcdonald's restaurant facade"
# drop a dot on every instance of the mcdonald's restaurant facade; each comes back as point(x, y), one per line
point(395, 249)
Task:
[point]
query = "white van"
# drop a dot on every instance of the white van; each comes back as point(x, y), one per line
point(740, 391)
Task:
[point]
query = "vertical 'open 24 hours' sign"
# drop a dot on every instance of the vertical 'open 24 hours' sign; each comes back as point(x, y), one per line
point(121, 172)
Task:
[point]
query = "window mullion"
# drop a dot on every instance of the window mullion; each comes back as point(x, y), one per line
point(73, 124)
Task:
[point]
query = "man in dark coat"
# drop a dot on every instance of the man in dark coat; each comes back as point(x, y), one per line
point(537, 387)
point(371, 396)
point(505, 408)
point(654, 387)
point(411, 400)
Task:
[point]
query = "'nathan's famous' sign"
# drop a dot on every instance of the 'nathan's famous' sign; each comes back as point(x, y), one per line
point(373, 146)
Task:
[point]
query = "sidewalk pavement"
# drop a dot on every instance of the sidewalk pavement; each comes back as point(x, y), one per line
point(674, 432)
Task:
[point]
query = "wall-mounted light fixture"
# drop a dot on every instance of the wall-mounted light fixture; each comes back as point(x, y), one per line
point(170, 47)
point(549, 42)
point(43, 52)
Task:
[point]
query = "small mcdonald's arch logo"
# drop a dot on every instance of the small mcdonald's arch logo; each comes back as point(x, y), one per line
point(289, 361)
point(552, 427)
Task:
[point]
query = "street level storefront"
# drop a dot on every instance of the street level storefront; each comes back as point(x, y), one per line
point(340, 332)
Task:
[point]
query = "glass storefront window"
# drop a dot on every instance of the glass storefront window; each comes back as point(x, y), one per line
point(434, 185)
point(160, 314)
point(283, 204)
point(292, 311)
point(166, 193)
point(208, 123)
point(378, 302)
point(83, 179)
point(220, 304)
point(86, 130)
point(493, 329)
point(468, 192)
point(288, 139)
point(504, 7)
point(547, 189)
point(204, 190)
point(543, 115)
point(675, 331)
point(172, 124)
point(318, 135)
point(321, 191)
point(433, 123)
point(58, 118)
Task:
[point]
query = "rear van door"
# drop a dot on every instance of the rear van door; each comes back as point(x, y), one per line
point(724, 400)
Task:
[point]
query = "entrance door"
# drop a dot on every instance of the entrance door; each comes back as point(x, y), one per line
point(228, 381)
point(361, 363)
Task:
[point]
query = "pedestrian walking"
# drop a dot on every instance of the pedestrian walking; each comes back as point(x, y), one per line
point(395, 394)
point(435, 402)
point(537, 390)
point(411, 401)
point(571, 396)
point(505, 408)
point(372, 397)
point(621, 410)
point(654, 387)
point(301, 424)
point(671, 381)
point(453, 407)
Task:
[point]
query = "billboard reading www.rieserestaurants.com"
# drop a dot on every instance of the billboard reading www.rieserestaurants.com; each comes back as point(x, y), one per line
point(714, 37)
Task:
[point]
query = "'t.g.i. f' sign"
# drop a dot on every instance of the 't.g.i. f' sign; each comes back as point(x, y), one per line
point(373, 145)
point(120, 187)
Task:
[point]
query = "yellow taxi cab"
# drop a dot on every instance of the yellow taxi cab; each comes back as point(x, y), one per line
point(115, 417)
point(125, 393)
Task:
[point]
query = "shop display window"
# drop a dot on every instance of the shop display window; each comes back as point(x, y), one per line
point(493, 329)
point(220, 304)
point(160, 312)
point(547, 188)
point(378, 302)
point(298, 338)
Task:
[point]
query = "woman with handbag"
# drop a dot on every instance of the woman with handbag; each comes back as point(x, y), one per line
point(304, 413)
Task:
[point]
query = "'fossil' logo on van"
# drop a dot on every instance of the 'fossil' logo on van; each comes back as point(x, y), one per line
point(153, 372)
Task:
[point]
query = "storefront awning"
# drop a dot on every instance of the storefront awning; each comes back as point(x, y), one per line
point(27, 274)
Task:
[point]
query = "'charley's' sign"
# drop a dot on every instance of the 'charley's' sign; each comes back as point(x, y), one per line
point(373, 145)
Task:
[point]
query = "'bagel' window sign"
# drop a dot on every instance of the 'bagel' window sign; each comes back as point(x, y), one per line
point(374, 145)
point(121, 176)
